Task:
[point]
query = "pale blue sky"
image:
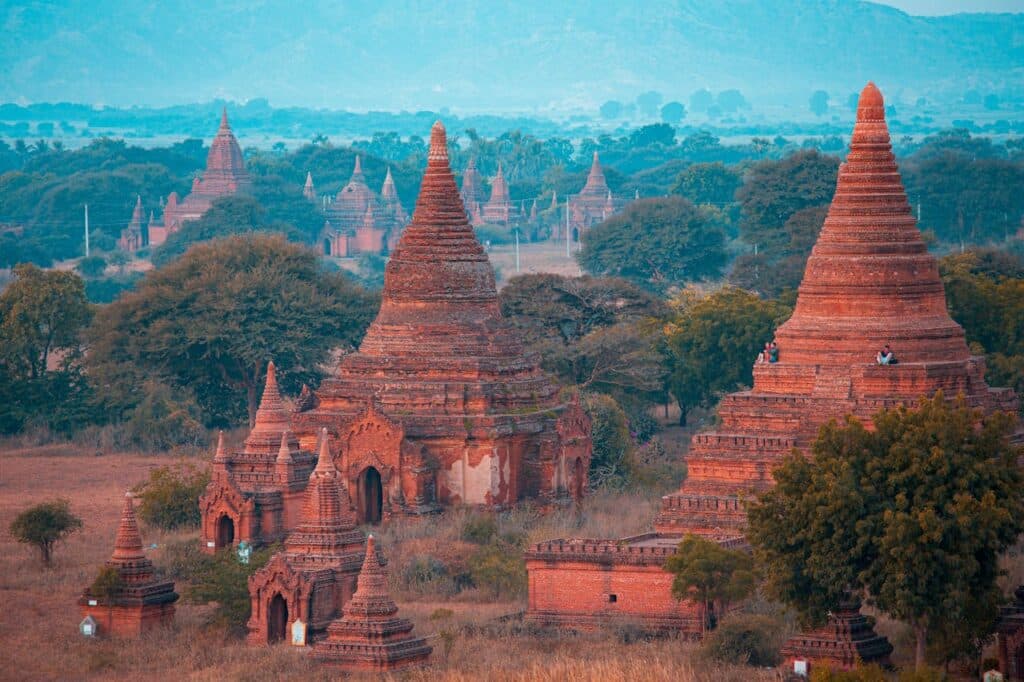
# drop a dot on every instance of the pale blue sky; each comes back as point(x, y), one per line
point(938, 7)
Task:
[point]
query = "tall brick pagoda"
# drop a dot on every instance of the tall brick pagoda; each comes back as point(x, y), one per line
point(370, 636)
point(309, 190)
point(472, 193)
point(441, 404)
point(498, 209)
point(143, 601)
point(315, 575)
point(869, 281)
point(257, 495)
point(360, 221)
point(593, 204)
point(132, 238)
point(225, 175)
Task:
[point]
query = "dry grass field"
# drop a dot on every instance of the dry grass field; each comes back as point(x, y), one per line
point(39, 615)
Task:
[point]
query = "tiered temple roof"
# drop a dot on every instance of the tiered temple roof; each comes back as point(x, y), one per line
point(441, 364)
point(359, 221)
point(316, 573)
point(869, 281)
point(132, 238)
point(225, 175)
point(143, 600)
point(593, 204)
point(848, 640)
point(370, 636)
point(472, 193)
point(498, 208)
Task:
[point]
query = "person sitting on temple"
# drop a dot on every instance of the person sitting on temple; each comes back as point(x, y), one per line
point(885, 356)
point(762, 357)
point(773, 352)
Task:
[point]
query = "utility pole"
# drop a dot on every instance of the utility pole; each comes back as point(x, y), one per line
point(567, 235)
point(87, 230)
point(516, 233)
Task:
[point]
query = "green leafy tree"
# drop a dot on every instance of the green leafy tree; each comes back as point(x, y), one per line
point(656, 243)
point(713, 341)
point(92, 266)
point(613, 446)
point(773, 191)
point(210, 321)
point(913, 514)
point(44, 525)
point(224, 580)
point(779, 273)
point(228, 216)
point(707, 573)
point(41, 311)
point(170, 498)
point(707, 183)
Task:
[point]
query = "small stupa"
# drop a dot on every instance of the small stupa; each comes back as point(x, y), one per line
point(141, 601)
point(370, 636)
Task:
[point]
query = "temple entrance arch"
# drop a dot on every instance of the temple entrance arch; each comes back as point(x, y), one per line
point(370, 496)
point(327, 247)
point(277, 619)
point(225, 531)
point(577, 478)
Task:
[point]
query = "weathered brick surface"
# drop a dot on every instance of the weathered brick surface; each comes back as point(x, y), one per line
point(869, 281)
point(143, 602)
point(846, 641)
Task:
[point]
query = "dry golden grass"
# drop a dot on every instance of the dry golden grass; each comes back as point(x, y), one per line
point(39, 618)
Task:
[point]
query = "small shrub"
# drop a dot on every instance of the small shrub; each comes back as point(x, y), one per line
point(170, 498)
point(107, 585)
point(225, 580)
point(479, 528)
point(425, 574)
point(183, 560)
point(91, 266)
point(44, 525)
point(500, 569)
point(754, 640)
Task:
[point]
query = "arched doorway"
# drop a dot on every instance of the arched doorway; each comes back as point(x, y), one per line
point(225, 531)
point(327, 247)
point(371, 496)
point(577, 479)
point(277, 619)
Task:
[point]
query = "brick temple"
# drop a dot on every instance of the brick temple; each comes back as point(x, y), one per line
point(498, 209)
point(143, 601)
point(869, 281)
point(472, 193)
point(592, 205)
point(257, 495)
point(360, 221)
point(133, 237)
point(315, 575)
point(370, 637)
point(440, 405)
point(848, 640)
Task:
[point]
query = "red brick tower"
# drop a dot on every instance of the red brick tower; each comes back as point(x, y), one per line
point(592, 204)
point(370, 636)
point(498, 208)
point(256, 495)
point(225, 175)
point(869, 281)
point(472, 193)
point(393, 216)
point(441, 404)
point(142, 602)
point(308, 190)
point(315, 575)
point(131, 239)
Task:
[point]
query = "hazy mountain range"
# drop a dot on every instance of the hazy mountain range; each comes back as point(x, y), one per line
point(482, 55)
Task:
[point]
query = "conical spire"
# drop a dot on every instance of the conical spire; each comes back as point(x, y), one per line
point(225, 167)
point(224, 120)
point(596, 184)
point(371, 600)
point(324, 466)
point(437, 266)
point(284, 454)
point(308, 190)
point(271, 415)
point(221, 455)
point(870, 279)
point(128, 542)
point(358, 169)
point(388, 191)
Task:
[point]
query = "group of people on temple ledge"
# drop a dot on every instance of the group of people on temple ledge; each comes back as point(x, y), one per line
point(886, 357)
point(770, 353)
